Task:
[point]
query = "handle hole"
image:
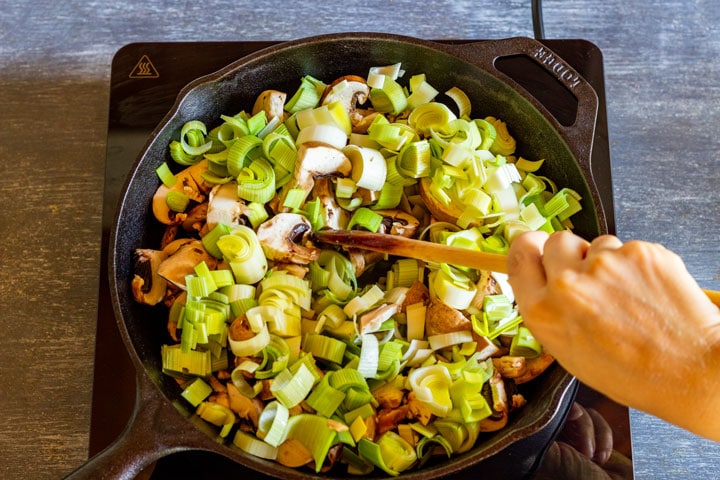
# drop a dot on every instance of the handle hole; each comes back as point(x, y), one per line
point(542, 85)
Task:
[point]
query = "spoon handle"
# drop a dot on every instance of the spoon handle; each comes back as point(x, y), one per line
point(429, 251)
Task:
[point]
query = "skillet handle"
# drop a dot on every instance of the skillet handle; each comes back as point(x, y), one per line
point(152, 432)
point(579, 135)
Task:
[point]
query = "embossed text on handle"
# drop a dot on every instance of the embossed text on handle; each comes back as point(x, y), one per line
point(555, 65)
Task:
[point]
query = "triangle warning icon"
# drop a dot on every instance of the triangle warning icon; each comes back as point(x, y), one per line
point(144, 68)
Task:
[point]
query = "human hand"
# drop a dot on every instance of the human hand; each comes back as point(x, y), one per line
point(626, 319)
point(584, 449)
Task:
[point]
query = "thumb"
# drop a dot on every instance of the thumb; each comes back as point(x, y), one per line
point(526, 273)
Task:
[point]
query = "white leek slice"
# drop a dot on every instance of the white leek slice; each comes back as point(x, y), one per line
point(369, 355)
point(272, 425)
point(248, 443)
point(432, 387)
point(369, 168)
point(329, 134)
point(251, 346)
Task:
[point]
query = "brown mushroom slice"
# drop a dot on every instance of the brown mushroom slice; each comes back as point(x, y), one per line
point(195, 219)
point(510, 366)
point(188, 181)
point(183, 262)
point(351, 91)
point(442, 318)
point(499, 405)
point(272, 102)
point(534, 367)
point(147, 286)
point(175, 245)
point(293, 454)
point(397, 222)
point(485, 347)
point(334, 216)
point(417, 293)
point(284, 238)
point(372, 320)
point(224, 206)
point(315, 160)
point(444, 213)
point(246, 408)
point(362, 260)
point(486, 285)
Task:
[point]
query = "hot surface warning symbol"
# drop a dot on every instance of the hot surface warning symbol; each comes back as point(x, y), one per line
point(144, 69)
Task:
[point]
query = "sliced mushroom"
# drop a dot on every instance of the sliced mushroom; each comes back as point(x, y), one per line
point(334, 216)
point(486, 285)
point(351, 91)
point(394, 222)
point(418, 409)
point(441, 212)
point(224, 206)
point(195, 219)
point(284, 238)
point(442, 318)
point(246, 408)
point(190, 182)
point(372, 320)
point(389, 418)
point(293, 454)
point(183, 262)
point(417, 293)
point(397, 222)
point(272, 102)
point(510, 366)
point(175, 245)
point(497, 397)
point(147, 286)
point(534, 367)
point(362, 260)
point(315, 160)
point(485, 347)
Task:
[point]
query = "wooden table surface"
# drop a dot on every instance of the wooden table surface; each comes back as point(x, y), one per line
point(663, 99)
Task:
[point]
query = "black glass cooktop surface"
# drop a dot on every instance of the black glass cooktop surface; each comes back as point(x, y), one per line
point(145, 80)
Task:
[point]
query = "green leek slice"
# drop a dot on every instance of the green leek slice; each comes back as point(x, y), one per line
point(392, 454)
point(291, 389)
point(196, 392)
point(165, 175)
point(313, 432)
point(248, 443)
point(272, 424)
point(389, 98)
point(243, 252)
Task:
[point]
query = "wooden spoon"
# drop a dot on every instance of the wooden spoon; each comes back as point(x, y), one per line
point(429, 251)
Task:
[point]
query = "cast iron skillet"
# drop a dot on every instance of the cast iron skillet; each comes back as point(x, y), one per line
point(162, 423)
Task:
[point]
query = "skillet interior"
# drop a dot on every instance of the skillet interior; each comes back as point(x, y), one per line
point(234, 89)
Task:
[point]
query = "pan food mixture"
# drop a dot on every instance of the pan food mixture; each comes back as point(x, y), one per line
point(316, 356)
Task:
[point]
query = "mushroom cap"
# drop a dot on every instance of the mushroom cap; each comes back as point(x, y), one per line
point(442, 318)
point(148, 287)
point(284, 239)
point(315, 159)
point(224, 205)
point(350, 90)
point(272, 102)
point(444, 213)
point(183, 262)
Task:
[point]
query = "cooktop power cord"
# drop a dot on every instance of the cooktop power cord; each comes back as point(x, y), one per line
point(537, 20)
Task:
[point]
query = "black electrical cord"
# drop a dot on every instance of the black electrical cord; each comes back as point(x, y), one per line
point(538, 27)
